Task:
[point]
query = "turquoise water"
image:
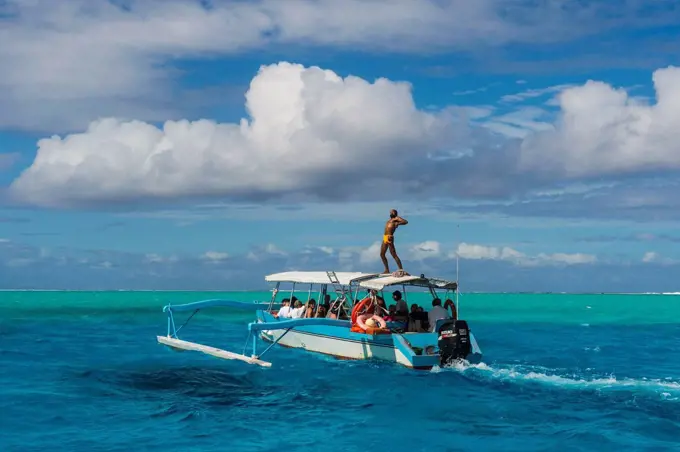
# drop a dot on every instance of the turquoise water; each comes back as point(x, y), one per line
point(82, 371)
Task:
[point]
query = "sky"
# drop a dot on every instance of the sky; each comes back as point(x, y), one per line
point(200, 145)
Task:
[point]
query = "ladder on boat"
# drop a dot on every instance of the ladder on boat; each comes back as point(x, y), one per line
point(339, 289)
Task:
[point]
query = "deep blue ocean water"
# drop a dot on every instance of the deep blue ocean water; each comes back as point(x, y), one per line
point(83, 371)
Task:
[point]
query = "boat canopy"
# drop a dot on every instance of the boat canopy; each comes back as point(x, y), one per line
point(300, 277)
point(380, 282)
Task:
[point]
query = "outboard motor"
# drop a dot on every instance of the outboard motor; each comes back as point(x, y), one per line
point(454, 341)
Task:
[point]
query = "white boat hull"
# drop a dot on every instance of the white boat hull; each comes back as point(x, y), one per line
point(339, 347)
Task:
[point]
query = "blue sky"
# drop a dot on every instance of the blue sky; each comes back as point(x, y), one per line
point(201, 145)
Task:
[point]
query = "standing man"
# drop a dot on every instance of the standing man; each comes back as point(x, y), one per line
point(388, 240)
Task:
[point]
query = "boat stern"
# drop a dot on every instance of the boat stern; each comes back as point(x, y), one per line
point(426, 350)
point(417, 350)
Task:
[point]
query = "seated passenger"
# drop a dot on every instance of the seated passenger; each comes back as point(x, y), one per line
point(416, 319)
point(284, 312)
point(342, 314)
point(423, 313)
point(402, 307)
point(391, 313)
point(382, 308)
point(332, 312)
point(298, 311)
point(321, 312)
point(436, 313)
point(310, 308)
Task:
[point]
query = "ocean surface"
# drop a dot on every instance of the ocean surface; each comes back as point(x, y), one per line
point(81, 371)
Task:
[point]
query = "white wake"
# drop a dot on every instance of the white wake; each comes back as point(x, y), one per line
point(668, 388)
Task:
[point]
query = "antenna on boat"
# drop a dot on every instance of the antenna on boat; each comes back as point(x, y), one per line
point(457, 271)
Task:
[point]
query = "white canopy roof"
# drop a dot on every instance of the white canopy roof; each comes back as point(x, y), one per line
point(381, 282)
point(345, 278)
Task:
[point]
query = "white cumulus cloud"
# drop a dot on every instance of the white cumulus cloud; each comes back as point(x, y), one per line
point(566, 258)
point(215, 256)
point(313, 135)
point(305, 123)
point(265, 252)
point(483, 252)
point(425, 250)
point(652, 257)
point(603, 130)
point(473, 251)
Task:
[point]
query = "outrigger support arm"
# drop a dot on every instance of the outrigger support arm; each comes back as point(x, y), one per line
point(256, 356)
point(288, 325)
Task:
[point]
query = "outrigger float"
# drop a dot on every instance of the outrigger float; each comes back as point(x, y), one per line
point(348, 338)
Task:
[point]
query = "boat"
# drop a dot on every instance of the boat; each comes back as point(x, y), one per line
point(350, 335)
